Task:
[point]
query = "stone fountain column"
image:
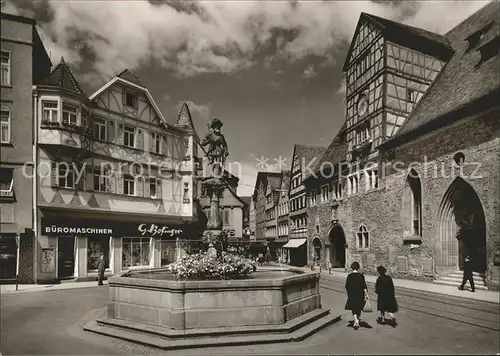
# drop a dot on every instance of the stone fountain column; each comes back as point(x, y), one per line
point(215, 185)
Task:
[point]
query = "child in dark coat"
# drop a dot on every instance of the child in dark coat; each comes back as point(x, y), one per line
point(386, 302)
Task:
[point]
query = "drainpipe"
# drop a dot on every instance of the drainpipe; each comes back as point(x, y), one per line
point(35, 185)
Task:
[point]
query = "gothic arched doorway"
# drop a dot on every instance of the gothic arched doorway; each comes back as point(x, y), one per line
point(317, 249)
point(337, 246)
point(462, 228)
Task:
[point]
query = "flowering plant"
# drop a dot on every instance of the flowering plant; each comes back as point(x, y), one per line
point(200, 266)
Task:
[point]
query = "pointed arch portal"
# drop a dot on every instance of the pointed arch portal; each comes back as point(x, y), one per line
point(337, 246)
point(462, 228)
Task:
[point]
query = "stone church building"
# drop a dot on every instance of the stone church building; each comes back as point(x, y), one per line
point(411, 179)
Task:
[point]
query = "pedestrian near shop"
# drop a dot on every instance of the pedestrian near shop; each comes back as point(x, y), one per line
point(386, 300)
point(101, 267)
point(357, 293)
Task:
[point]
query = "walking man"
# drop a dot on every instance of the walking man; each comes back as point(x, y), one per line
point(101, 267)
point(467, 274)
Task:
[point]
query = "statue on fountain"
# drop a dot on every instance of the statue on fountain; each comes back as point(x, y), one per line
point(217, 153)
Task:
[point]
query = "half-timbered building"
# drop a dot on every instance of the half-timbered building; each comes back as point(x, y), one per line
point(304, 157)
point(420, 157)
point(283, 219)
point(112, 177)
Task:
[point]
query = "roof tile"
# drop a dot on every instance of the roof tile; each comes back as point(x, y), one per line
point(61, 77)
point(464, 78)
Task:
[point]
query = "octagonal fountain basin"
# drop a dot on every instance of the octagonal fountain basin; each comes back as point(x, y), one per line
point(270, 305)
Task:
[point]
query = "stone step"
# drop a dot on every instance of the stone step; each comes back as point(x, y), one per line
point(461, 273)
point(153, 340)
point(288, 327)
point(458, 281)
point(457, 284)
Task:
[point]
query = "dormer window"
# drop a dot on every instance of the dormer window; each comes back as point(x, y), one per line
point(130, 99)
point(411, 96)
point(489, 50)
point(477, 37)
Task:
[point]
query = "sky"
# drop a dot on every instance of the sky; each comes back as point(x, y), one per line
point(271, 71)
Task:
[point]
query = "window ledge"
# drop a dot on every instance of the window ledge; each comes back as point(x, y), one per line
point(7, 86)
point(6, 144)
point(412, 239)
point(363, 249)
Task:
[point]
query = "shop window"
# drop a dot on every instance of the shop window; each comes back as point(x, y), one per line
point(363, 239)
point(8, 255)
point(135, 252)
point(6, 182)
point(95, 246)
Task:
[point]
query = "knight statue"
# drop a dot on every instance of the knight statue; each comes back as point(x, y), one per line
point(216, 142)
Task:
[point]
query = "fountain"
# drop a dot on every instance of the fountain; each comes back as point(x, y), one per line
point(154, 308)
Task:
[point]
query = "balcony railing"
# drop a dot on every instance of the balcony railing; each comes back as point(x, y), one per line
point(66, 126)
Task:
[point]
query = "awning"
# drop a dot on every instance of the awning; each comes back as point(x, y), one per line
point(294, 243)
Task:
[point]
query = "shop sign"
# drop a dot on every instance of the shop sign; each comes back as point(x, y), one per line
point(55, 229)
point(105, 228)
point(155, 230)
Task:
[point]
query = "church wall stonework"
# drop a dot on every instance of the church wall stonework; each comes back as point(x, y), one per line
point(383, 213)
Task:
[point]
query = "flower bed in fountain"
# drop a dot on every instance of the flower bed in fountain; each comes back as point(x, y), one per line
point(202, 266)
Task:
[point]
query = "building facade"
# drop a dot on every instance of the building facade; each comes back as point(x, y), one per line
point(303, 157)
point(24, 63)
point(419, 150)
point(283, 221)
point(252, 219)
point(112, 177)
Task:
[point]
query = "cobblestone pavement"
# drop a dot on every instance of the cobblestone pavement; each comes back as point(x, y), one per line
point(50, 323)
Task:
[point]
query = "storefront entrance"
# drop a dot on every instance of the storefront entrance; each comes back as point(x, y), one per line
point(65, 257)
point(337, 246)
point(8, 257)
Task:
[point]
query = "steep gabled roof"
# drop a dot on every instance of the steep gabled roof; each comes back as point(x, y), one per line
point(246, 200)
point(262, 177)
point(464, 80)
point(129, 76)
point(408, 36)
point(307, 154)
point(143, 90)
point(285, 179)
point(185, 121)
point(62, 78)
point(335, 153)
point(274, 181)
